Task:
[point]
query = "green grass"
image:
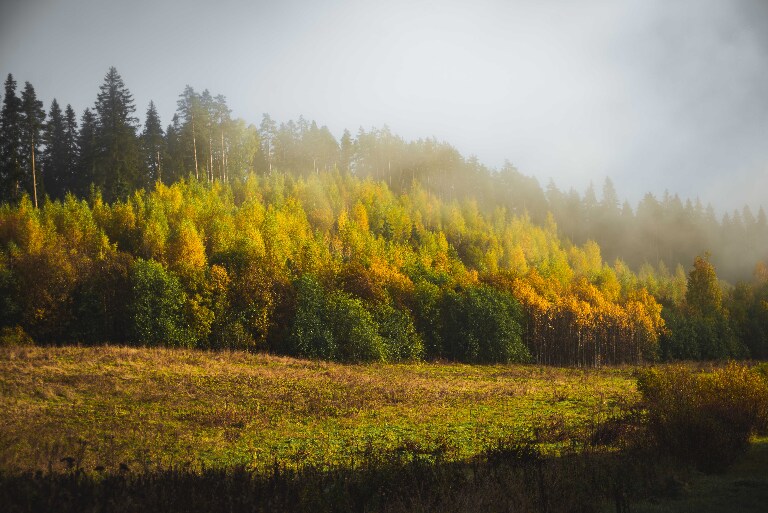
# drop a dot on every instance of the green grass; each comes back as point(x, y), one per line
point(154, 409)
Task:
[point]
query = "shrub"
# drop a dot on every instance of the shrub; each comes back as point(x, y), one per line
point(354, 329)
point(398, 333)
point(333, 326)
point(310, 335)
point(157, 306)
point(482, 324)
point(704, 418)
point(14, 337)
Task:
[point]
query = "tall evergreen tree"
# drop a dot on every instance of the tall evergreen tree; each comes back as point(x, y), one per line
point(71, 150)
point(85, 174)
point(222, 121)
point(189, 110)
point(11, 147)
point(174, 167)
point(152, 146)
point(267, 133)
point(117, 159)
point(55, 153)
point(33, 118)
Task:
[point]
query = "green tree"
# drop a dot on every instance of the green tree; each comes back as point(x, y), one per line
point(157, 306)
point(189, 110)
point(152, 146)
point(174, 162)
point(71, 154)
point(704, 295)
point(117, 161)
point(11, 144)
point(33, 118)
point(85, 171)
point(311, 335)
point(54, 159)
point(482, 324)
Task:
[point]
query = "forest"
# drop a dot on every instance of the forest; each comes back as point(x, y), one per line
point(216, 233)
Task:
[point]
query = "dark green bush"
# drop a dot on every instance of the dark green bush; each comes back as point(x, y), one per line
point(704, 418)
point(354, 329)
point(310, 335)
point(333, 326)
point(482, 324)
point(157, 306)
point(398, 333)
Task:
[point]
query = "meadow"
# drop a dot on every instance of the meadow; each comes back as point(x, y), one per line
point(126, 429)
point(160, 408)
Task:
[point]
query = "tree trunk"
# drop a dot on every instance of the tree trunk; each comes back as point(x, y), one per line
point(34, 177)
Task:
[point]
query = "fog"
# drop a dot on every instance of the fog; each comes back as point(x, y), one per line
point(657, 95)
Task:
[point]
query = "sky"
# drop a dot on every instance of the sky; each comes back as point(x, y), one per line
point(655, 94)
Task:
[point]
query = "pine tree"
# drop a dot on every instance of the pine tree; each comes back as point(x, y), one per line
point(346, 152)
point(85, 173)
point(267, 132)
point(223, 122)
point(54, 154)
point(189, 111)
point(152, 146)
point(71, 150)
point(11, 147)
point(33, 118)
point(117, 158)
point(174, 166)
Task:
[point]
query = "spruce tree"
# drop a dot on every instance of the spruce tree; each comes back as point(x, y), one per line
point(189, 110)
point(70, 149)
point(85, 170)
point(11, 148)
point(174, 166)
point(117, 155)
point(33, 118)
point(54, 154)
point(152, 146)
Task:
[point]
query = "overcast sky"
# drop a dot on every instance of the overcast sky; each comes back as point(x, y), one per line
point(657, 94)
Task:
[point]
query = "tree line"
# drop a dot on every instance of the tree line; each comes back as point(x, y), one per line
point(210, 225)
point(47, 155)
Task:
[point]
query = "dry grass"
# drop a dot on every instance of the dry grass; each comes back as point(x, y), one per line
point(151, 409)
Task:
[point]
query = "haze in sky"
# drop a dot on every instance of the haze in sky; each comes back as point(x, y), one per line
point(657, 94)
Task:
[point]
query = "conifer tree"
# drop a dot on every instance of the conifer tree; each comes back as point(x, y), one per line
point(174, 165)
point(85, 174)
point(33, 117)
point(71, 150)
point(54, 153)
point(189, 110)
point(117, 157)
point(152, 146)
point(11, 147)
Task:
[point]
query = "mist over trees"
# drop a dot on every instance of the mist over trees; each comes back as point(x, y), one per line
point(280, 237)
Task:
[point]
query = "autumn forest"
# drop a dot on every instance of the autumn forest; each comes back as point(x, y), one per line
point(215, 233)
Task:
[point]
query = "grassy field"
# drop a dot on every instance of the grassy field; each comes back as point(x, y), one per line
point(149, 409)
point(180, 430)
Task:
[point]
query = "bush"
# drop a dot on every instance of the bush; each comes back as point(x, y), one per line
point(399, 334)
point(310, 335)
point(15, 337)
point(157, 307)
point(355, 331)
point(333, 326)
point(704, 418)
point(482, 324)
